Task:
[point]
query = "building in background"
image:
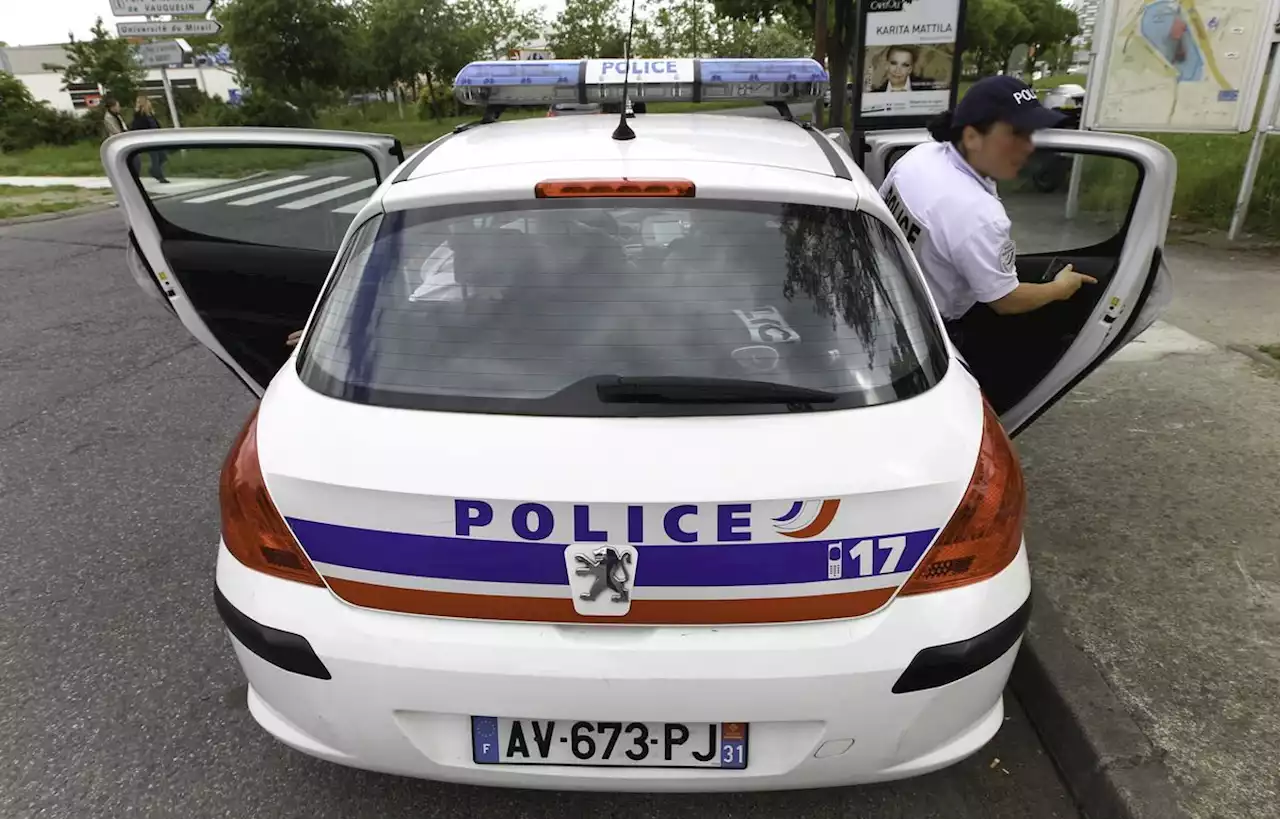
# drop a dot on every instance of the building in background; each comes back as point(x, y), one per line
point(536, 48)
point(1087, 12)
point(213, 75)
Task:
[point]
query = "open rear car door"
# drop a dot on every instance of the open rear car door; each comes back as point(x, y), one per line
point(240, 239)
point(1099, 202)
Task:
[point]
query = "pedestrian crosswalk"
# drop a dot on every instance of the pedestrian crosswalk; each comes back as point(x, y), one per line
point(335, 193)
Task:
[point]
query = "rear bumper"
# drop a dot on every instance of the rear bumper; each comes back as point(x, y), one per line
point(820, 698)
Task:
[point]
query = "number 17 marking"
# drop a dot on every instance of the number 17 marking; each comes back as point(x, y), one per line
point(862, 555)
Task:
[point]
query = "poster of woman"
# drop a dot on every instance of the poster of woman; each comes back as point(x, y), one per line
point(908, 57)
point(907, 68)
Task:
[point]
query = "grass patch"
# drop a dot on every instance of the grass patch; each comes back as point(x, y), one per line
point(21, 200)
point(1272, 350)
point(80, 159)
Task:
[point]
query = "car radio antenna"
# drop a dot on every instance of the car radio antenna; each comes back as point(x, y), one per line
point(623, 132)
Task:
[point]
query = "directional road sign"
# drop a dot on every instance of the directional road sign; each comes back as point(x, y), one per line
point(134, 8)
point(169, 28)
point(164, 52)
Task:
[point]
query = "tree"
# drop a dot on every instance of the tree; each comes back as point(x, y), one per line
point(683, 28)
point(105, 60)
point(395, 41)
point(780, 39)
point(496, 26)
point(836, 38)
point(590, 29)
point(992, 29)
point(296, 49)
point(1051, 25)
point(361, 72)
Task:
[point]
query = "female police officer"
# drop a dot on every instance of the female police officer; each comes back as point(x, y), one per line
point(944, 196)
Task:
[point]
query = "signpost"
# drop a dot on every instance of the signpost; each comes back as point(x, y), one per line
point(141, 8)
point(167, 52)
point(169, 28)
point(1268, 123)
point(160, 54)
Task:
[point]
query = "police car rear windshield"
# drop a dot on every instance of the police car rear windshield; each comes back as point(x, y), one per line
point(530, 307)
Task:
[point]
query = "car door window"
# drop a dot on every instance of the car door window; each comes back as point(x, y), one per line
point(1049, 218)
point(302, 198)
point(237, 228)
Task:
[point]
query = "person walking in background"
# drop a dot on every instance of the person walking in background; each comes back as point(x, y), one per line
point(143, 118)
point(111, 120)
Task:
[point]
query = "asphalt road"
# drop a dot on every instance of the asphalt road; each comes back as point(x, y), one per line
point(119, 693)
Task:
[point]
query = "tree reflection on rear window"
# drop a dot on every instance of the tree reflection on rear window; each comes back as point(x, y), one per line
point(522, 307)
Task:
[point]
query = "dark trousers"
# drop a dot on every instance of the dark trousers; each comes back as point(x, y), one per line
point(977, 335)
point(155, 164)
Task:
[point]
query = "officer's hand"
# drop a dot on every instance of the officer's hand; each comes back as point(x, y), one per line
point(1069, 280)
point(292, 340)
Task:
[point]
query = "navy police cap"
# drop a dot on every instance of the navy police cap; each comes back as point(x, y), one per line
point(1004, 99)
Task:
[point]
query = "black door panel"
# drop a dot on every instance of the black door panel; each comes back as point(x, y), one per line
point(1014, 353)
point(251, 297)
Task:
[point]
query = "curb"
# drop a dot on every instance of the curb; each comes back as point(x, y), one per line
point(1256, 354)
point(1108, 764)
point(59, 214)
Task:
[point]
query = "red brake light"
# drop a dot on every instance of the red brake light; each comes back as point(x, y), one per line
point(568, 188)
point(985, 531)
point(252, 527)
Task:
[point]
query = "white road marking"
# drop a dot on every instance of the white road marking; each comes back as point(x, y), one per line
point(280, 194)
point(327, 195)
point(354, 207)
point(270, 183)
point(1161, 339)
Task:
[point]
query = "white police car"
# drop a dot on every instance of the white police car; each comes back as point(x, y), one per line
point(604, 462)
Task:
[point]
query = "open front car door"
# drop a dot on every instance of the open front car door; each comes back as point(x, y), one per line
point(240, 239)
point(1097, 201)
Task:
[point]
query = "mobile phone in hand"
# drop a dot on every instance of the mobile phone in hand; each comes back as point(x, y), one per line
point(1054, 268)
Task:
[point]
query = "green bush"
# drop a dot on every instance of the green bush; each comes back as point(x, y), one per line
point(446, 103)
point(26, 122)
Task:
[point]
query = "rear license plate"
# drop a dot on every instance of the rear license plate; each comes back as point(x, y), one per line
point(502, 741)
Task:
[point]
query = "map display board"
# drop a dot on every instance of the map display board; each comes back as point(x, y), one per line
point(1179, 65)
point(908, 61)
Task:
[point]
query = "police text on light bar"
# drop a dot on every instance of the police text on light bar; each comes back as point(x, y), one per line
point(546, 82)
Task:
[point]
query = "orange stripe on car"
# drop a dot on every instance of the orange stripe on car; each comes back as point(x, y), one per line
point(643, 612)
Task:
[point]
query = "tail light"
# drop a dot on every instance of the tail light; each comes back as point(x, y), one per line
point(252, 527)
point(571, 188)
point(985, 532)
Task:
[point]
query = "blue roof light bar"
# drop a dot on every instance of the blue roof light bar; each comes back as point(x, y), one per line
point(546, 82)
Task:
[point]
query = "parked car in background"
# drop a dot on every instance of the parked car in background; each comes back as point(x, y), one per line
point(1067, 96)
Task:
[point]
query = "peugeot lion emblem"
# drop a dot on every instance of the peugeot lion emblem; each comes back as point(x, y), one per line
point(602, 577)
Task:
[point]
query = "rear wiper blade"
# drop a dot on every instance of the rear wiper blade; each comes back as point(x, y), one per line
point(672, 389)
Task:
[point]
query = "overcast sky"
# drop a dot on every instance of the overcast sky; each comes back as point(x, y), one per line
point(40, 22)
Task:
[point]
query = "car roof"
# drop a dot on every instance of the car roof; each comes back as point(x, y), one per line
point(761, 141)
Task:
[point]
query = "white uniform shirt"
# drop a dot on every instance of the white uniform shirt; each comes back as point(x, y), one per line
point(956, 225)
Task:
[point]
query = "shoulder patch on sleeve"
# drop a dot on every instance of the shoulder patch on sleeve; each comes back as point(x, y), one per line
point(1009, 256)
